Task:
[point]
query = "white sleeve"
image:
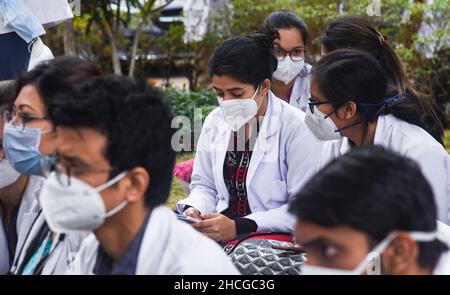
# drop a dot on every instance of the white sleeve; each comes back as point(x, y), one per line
point(435, 165)
point(203, 193)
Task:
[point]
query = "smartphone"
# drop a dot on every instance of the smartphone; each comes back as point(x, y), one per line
point(187, 219)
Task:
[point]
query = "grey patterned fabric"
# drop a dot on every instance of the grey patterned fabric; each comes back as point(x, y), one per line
point(257, 257)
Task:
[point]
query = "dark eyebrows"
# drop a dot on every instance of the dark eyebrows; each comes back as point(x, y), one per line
point(316, 242)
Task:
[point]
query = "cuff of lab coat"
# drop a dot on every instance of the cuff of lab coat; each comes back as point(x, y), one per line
point(245, 225)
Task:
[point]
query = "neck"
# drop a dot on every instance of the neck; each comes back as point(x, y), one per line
point(280, 89)
point(259, 117)
point(362, 134)
point(12, 195)
point(118, 231)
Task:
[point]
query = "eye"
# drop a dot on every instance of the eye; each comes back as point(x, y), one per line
point(328, 251)
point(236, 95)
point(297, 52)
point(25, 117)
point(278, 51)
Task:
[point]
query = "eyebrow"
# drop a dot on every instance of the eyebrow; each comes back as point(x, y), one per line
point(231, 89)
point(296, 47)
point(26, 106)
point(73, 160)
point(316, 242)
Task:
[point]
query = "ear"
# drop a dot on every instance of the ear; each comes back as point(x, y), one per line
point(348, 111)
point(400, 258)
point(137, 184)
point(265, 87)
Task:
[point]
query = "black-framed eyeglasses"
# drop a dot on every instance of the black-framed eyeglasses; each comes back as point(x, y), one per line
point(296, 54)
point(20, 119)
point(65, 173)
point(313, 101)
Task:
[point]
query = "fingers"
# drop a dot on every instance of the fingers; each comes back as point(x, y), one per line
point(204, 224)
point(192, 212)
point(210, 216)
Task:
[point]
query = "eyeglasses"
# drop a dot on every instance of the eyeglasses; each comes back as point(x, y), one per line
point(65, 173)
point(20, 119)
point(296, 54)
point(313, 101)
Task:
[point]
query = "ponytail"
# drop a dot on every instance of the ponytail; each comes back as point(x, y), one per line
point(359, 33)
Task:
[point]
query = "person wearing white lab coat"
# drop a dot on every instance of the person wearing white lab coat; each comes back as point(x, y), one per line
point(291, 80)
point(17, 195)
point(30, 146)
point(235, 190)
point(370, 211)
point(133, 233)
point(348, 109)
point(169, 247)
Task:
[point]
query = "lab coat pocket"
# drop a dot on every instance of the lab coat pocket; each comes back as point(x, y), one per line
point(279, 192)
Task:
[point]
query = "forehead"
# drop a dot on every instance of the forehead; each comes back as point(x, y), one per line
point(29, 95)
point(289, 38)
point(314, 88)
point(84, 143)
point(227, 82)
point(306, 231)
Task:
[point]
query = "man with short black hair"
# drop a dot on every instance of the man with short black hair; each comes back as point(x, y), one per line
point(113, 178)
point(370, 207)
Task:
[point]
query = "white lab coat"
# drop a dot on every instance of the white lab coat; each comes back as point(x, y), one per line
point(169, 247)
point(284, 158)
point(301, 89)
point(27, 213)
point(415, 143)
point(61, 256)
point(47, 11)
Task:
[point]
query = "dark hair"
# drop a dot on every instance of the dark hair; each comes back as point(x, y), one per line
point(374, 191)
point(359, 33)
point(136, 121)
point(285, 19)
point(352, 75)
point(247, 59)
point(57, 76)
point(6, 93)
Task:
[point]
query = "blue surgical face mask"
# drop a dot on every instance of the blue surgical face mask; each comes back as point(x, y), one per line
point(21, 147)
point(18, 17)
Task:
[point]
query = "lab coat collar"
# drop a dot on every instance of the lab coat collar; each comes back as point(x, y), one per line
point(29, 209)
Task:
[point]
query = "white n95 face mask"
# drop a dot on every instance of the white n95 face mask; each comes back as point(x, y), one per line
point(77, 207)
point(371, 265)
point(321, 125)
point(7, 174)
point(237, 112)
point(288, 69)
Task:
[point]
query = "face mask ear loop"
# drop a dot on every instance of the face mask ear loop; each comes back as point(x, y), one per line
point(377, 251)
point(30, 46)
point(117, 209)
point(111, 182)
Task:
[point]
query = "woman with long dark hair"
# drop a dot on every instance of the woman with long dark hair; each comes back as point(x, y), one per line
point(359, 33)
point(348, 108)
